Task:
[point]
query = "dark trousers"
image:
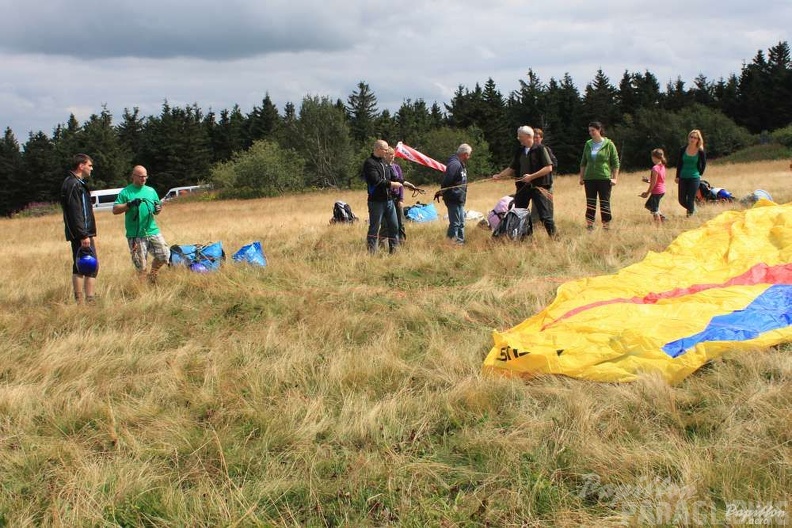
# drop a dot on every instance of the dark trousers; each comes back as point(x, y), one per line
point(542, 200)
point(687, 189)
point(598, 189)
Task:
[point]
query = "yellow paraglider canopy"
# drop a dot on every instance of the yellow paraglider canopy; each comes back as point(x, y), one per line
point(726, 286)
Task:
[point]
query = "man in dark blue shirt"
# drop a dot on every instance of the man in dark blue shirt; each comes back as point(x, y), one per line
point(454, 192)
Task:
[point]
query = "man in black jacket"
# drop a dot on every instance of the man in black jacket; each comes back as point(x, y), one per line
point(79, 223)
point(380, 206)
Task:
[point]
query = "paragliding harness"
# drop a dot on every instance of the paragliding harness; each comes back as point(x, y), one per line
point(495, 216)
point(342, 214)
point(198, 257)
point(708, 193)
point(515, 225)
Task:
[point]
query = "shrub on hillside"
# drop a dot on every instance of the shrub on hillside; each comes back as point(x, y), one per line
point(655, 128)
point(34, 209)
point(266, 169)
point(722, 136)
point(771, 151)
point(783, 136)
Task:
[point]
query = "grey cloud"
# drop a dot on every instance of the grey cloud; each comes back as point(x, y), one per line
point(217, 54)
point(148, 29)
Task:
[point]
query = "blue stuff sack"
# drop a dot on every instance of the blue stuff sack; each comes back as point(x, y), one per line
point(251, 253)
point(421, 212)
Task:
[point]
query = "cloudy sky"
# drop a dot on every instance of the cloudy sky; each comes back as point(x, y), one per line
point(59, 57)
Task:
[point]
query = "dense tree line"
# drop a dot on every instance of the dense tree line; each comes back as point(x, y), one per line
point(265, 152)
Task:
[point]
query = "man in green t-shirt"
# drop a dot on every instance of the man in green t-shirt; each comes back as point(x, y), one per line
point(140, 203)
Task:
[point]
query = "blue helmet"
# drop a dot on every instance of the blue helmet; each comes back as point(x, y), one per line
point(86, 261)
point(198, 267)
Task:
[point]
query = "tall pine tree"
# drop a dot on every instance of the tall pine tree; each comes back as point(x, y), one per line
point(362, 113)
point(600, 102)
point(43, 170)
point(130, 133)
point(263, 120)
point(176, 148)
point(10, 173)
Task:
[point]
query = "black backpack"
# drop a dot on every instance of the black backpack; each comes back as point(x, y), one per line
point(342, 214)
point(704, 193)
point(516, 225)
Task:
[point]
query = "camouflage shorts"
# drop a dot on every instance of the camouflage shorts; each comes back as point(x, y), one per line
point(141, 247)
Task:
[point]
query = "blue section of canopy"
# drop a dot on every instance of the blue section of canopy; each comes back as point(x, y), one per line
point(769, 311)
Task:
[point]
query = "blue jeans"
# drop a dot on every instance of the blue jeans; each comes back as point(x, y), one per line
point(379, 212)
point(456, 222)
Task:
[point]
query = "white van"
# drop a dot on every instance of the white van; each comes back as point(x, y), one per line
point(103, 200)
point(182, 191)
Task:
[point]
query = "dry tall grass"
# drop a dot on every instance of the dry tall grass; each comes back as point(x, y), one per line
point(333, 388)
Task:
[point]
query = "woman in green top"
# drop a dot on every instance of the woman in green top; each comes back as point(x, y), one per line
point(599, 169)
point(691, 163)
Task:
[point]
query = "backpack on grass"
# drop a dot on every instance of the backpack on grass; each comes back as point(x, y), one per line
point(495, 216)
point(342, 214)
point(708, 193)
point(515, 225)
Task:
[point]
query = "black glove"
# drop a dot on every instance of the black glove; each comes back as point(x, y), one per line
point(437, 196)
point(134, 203)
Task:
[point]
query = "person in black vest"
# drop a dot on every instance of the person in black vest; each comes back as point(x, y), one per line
point(539, 140)
point(532, 167)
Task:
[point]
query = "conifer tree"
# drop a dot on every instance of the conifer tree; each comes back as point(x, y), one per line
point(263, 120)
point(599, 101)
point(362, 113)
point(42, 172)
point(413, 121)
point(176, 148)
point(130, 133)
point(10, 173)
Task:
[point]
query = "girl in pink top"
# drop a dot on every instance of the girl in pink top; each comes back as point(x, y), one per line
point(656, 188)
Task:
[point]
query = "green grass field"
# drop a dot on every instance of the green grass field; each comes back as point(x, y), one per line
point(334, 388)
